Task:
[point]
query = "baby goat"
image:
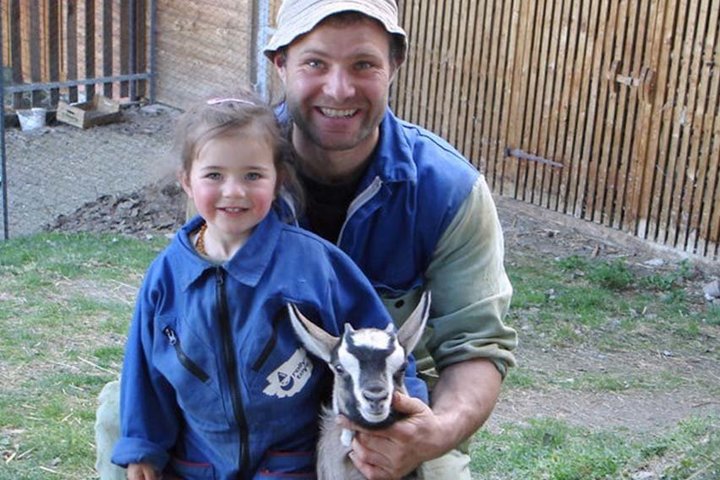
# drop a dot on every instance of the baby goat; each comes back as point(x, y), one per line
point(368, 365)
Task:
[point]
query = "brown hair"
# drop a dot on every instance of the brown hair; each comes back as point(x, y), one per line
point(227, 115)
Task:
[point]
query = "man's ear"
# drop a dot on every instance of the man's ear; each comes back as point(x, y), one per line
point(280, 61)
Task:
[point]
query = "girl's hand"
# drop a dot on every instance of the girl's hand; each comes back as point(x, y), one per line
point(142, 471)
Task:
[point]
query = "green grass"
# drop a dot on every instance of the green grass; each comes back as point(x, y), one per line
point(551, 449)
point(66, 300)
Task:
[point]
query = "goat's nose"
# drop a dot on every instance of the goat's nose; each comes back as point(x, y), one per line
point(375, 394)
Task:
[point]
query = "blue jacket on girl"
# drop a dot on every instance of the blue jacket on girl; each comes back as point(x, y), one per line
point(215, 383)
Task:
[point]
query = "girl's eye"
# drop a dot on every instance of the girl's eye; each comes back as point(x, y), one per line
point(252, 176)
point(213, 176)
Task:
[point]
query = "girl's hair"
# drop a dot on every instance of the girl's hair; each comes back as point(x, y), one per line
point(226, 115)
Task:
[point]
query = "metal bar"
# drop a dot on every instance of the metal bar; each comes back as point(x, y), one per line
point(517, 153)
point(3, 169)
point(74, 83)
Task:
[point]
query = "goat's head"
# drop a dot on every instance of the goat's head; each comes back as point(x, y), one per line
point(368, 363)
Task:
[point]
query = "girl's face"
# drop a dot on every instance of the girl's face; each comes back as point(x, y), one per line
point(232, 183)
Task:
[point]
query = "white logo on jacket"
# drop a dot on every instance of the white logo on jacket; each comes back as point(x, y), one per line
point(291, 376)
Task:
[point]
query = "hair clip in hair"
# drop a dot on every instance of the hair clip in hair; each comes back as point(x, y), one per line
point(216, 101)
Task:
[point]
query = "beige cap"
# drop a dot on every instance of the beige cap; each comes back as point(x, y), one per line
point(298, 17)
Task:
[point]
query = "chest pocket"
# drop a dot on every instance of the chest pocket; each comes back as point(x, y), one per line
point(283, 376)
point(190, 366)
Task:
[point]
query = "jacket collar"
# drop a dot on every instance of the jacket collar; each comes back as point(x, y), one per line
point(247, 266)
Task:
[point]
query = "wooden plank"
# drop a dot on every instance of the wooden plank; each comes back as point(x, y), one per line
point(486, 97)
point(107, 45)
point(33, 52)
point(444, 69)
point(697, 167)
point(596, 114)
point(52, 47)
point(454, 93)
point(660, 136)
point(685, 174)
point(421, 58)
point(710, 201)
point(582, 85)
point(124, 45)
point(530, 128)
point(675, 121)
point(543, 107)
point(645, 155)
point(502, 110)
point(90, 46)
point(566, 130)
point(71, 48)
point(515, 174)
point(469, 88)
point(625, 211)
point(492, 40)
point(16, 56)
point(554, 141)
point(141, 45)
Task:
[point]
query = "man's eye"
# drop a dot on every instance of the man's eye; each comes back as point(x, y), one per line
point(363, 65)
point(314, 63)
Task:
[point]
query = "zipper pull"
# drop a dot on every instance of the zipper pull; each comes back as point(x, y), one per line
point(171, 335)
point(220, 277)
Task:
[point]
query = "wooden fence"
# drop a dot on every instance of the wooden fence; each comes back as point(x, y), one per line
point(605, 110)
point(53, 48)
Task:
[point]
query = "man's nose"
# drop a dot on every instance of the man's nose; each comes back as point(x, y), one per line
point(339, 84)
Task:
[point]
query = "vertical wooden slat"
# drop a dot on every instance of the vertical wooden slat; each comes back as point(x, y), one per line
point(124, 44)
point(596, 112)
point(107, 45)
point(480, 143)
point(141, 64)
point(16, 58)
point(711, 146)
point(504, 89)
point(641, 195)
point(554, 142)
point(89, 46)
point(632, 41)
point(472, 49)
point(696, 166)
point(543, 101)
point(71, 48)
point(667, 73)
point(686, 175)
point(565, 129)
point(444, 70)
point(586, 50)
point(522, 99)
point(52, 47)
point(454, 93)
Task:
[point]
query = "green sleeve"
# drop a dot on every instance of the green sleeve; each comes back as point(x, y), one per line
point(470, 291)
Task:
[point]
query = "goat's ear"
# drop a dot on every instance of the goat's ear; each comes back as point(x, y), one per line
point(316, 340)
point(411, 331)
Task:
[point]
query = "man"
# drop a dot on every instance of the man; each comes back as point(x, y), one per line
point(411, 212)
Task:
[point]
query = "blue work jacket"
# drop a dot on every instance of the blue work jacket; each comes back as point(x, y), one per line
point(215, 382)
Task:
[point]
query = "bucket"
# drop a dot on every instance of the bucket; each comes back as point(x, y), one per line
point(31, 119)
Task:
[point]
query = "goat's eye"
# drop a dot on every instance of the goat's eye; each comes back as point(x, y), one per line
point(338, 369)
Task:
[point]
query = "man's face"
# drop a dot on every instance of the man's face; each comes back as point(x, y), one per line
point(337, 80)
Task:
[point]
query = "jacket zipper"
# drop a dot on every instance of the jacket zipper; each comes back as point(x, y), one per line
point(185, 361)
point(359, 201)
point(232, 372)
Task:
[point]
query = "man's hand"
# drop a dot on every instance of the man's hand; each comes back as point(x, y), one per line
point(462, 400)
point(395, 451)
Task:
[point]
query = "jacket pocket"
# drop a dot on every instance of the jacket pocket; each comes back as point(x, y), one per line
point(277, 464)
point(191, 470)
point(184, 360)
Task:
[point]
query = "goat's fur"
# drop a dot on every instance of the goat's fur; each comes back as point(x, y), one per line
point(368, 365)
point(107, 431)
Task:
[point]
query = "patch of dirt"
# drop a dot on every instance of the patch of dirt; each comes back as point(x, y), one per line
point(159, 209)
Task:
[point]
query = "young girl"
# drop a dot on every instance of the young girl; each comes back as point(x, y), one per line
point(215, 385)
